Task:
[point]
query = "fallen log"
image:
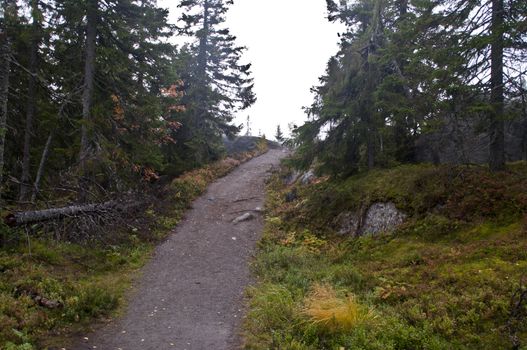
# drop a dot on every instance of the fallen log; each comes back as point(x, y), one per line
point(36, 216)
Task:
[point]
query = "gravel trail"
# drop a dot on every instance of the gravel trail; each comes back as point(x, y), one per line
point(190, 295)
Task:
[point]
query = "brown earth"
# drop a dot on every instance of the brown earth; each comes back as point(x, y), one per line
point(190, 295)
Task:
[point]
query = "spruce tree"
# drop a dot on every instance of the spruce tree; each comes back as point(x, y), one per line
point(217, 83)
point(9, 14)
point(279, 136)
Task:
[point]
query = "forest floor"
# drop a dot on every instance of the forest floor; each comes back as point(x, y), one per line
point(190, 295)
point(452, 276)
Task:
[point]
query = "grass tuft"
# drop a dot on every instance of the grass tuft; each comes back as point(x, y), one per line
point(332, 313)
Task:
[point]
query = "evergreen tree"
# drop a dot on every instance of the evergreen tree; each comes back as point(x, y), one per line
point(7, 20)
point(279, 136)
point(403, 69)
point(248, 126)
point(109, 67)
point(490, 39)
point(31, 109)
point(217, 84)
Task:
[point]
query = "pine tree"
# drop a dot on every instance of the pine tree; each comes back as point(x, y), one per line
point(31, 111)
point(403, 69)
point(279, 136)
point(9, 14)
point(248, 126)
point(217, 84)
point(490, 38)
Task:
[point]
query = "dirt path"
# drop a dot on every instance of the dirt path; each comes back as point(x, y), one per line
point(191, 292)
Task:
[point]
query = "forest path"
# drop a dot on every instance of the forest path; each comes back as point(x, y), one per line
point(190, 295)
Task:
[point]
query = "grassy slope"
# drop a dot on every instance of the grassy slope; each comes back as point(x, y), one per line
point(442, 281)
point(90, 281)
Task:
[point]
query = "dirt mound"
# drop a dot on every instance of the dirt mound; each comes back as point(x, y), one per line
point(246, 144)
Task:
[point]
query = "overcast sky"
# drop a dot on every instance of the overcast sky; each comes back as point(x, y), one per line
point(289, 43)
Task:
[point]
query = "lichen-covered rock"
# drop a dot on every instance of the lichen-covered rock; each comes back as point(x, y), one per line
point(348, 223)
point(381, 217)
point(308, 177)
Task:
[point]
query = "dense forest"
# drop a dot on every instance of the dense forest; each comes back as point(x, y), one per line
point(412, 74)
point(397, 219)
point(95, 98)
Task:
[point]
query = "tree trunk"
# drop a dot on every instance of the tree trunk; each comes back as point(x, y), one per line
point(31, 217)
point(9, 9)
point(403, 7)
point(375, 31)
point(25, 186)
point(87, 94)
point(40, 172)
point(497, 124)
point(203, 42)
point(202, 68)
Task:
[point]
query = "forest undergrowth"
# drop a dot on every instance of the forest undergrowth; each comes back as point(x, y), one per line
point(53, 289)
point(451, 277)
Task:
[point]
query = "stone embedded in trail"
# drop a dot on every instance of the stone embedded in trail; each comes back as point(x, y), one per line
point(244, 217)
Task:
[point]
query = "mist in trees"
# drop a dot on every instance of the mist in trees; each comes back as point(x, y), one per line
point(279, 135)
point(217, 82)
point(95, 100)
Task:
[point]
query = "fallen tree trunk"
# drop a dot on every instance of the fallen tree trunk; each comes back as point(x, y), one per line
point(36, 216)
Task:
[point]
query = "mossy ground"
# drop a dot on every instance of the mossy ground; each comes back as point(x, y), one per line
point(444, 280)
point(89, 281)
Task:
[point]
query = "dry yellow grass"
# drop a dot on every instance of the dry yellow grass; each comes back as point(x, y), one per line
point(333, 313)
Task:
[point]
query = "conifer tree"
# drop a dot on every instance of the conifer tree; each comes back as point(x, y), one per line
point(7, 18)
point(217, 83)
point(31, 108)
point(279, 136)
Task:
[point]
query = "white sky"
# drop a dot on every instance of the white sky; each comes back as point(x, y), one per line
point(289, 43)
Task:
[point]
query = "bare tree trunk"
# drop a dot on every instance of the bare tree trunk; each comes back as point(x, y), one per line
point(25, 186)
point(203, 42)
point(524, 122)
point(9, 9)
point(403, 7)
point(375, 31)
point(497, 124)
point(40, 172)
point(30, 217)
point(371, 150)
point(89, 76)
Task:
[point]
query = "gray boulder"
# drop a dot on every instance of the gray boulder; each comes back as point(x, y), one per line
point(379, 218)
point(308, 177)
point(382, 217)
point(348, 223)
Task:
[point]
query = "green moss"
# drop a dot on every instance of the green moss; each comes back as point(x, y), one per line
point(444, 280)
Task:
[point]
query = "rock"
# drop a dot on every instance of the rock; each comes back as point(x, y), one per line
point(47, 303)
point(291, 196)
point(308, 177)
point(382, 217)
point(244, 217)
point(292, 178)
point(348, 223)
